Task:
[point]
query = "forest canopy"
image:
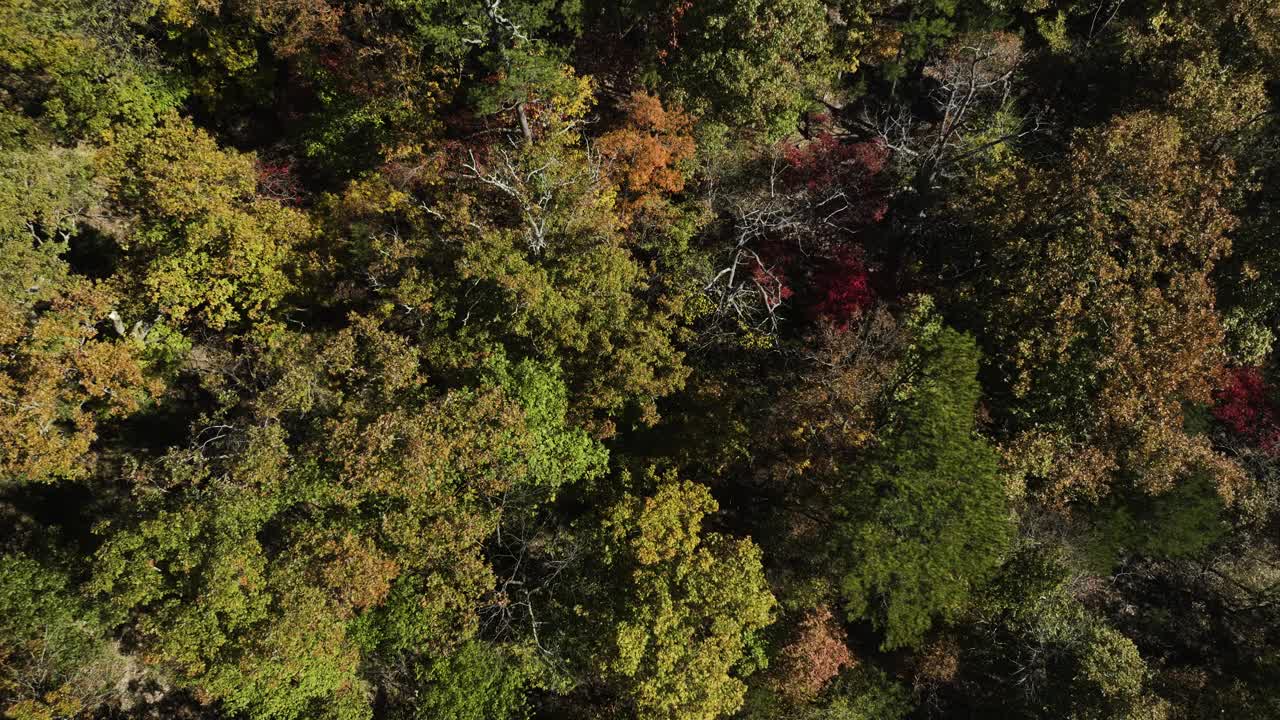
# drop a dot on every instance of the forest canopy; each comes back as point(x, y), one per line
point(650, 359)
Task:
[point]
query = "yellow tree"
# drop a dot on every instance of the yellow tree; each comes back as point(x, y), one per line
point(201, 247)
point(681, 608)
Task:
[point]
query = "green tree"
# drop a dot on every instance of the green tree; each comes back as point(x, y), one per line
point(862, 694)
point(477, 682)
point(56, 659)
point(1047, 655)
point(77, 69)
point(925, 518)
point(517, 248)
point(753, 63)
point(1183, 522)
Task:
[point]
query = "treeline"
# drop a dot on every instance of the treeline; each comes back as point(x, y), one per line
point(657, 359)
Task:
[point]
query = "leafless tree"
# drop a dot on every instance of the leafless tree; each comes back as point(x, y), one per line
point(529, 555)
point(974, 83)
point(747, 285)
point(534, 191)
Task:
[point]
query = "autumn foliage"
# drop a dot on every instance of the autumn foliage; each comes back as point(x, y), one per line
point(843, 290)
point(816, 653)
point(1245, 404)
point(647, 154)
point(835, 170)
point(652, 360)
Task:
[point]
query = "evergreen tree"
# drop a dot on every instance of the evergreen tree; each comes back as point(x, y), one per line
point(925, 519)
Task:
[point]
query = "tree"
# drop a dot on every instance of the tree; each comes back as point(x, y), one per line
point(369, 84)
point(973, 112)
point(1183, 522)
point(59, 378)
point(814, 656)
point(751, 63)
point(1102, 320)
point(648, 156)
point(925, 518)
point(477, 682)
point(1047, 653)
point(559, 261)
point(60, 375)
point(341, 511)
point(206, 249)
point(78, 70)
point(519, 247)
point(793, 212)
point(56, 659)
point(859, 693)
point(673, 624)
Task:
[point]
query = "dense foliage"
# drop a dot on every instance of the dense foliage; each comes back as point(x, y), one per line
point(657, 359)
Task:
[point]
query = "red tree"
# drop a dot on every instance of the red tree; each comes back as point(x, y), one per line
point(839, 172)
point(843, 290)
point(1244, 404)
point(277, 181)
